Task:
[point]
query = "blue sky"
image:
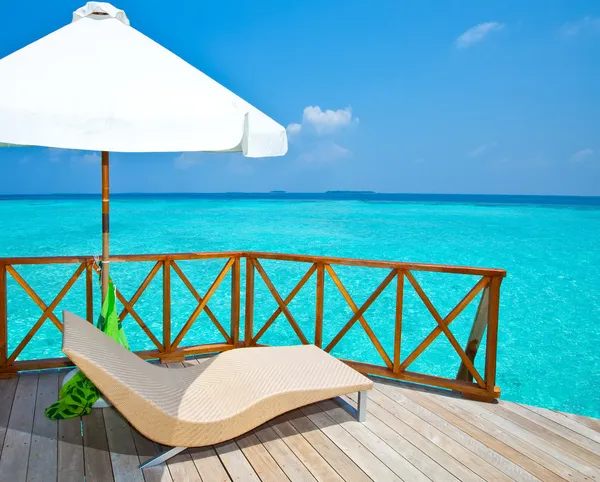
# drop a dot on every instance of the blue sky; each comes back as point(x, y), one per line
point(392, 96)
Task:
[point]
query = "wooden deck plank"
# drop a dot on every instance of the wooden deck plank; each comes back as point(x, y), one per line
point(423, 443)
point(7, 395)
point(312, 460)
point(435, 417)
point(588, 422)
point(235, 462)
point(549, 435)
point(534, 453)
point(70, 446)
point(146, 449)
point(209, 465)
point(261, 460)
point(555, 428)
point(123, 454)
point(427, 465)
point(394, 460)
point(583, 426)
point(43, 453)
point(471, 460)
point(17, 441)
point(336, 457)
point(182, 467)
point(554, 459)
point(207, 462)
point(362, 456)
point(294, 469)
point(437, 405)
point(96, 456)
point(70, 451)
point(560, 448)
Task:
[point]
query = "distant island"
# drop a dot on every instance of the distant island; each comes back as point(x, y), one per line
point(349, 192)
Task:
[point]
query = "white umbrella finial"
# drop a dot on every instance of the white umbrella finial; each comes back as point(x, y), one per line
point(100, 10)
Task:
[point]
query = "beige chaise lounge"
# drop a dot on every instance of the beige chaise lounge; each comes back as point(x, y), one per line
point(224, 397)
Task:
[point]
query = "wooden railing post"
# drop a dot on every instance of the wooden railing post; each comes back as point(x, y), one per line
point(3, 322)
point(492, 334)
point(320, 301)
point(398, 321)
point(249, 316)
point(480, 323)
point(235, 301)
point(167, 306)
point(89, 291)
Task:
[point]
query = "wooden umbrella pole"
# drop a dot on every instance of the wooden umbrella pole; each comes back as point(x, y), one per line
point(105, 223)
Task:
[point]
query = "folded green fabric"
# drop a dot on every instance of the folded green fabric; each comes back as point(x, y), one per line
point(79, 394)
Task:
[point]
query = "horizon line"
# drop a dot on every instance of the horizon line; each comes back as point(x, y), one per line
point(283, 192)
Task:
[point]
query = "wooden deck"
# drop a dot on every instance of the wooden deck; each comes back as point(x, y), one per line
point(409, 435)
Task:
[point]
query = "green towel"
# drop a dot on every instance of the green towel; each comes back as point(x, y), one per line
point(79, 394)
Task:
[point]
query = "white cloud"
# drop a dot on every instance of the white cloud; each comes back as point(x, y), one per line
point(477, 34)
point(73, 156)
point(54, 155)
point(324, 153)
point(91, 158)
point(479, 150)
point(586, 24)
point(293, 128)
point(185, 160)
point(328, 120)
point(582, 155)
point(315, 124)
point(323, 121)
point(78, 158)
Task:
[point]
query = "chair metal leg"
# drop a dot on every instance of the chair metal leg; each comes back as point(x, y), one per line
point(362, 406)
point(160, 458)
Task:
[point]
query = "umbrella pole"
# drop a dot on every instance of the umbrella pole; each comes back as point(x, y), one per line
point(105, 223)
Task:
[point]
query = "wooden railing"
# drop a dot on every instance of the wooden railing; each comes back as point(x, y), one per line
point(468, 379)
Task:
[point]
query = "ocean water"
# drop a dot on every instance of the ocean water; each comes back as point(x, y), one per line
point(549, 339)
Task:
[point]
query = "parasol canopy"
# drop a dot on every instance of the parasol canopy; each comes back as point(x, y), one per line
point(98, 84)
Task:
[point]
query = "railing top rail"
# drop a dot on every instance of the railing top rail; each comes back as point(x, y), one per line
point(116, 258)
point(440, 268)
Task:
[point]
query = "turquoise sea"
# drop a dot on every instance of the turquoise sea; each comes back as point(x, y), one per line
point(549, 341)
